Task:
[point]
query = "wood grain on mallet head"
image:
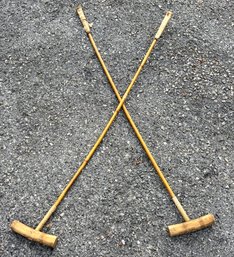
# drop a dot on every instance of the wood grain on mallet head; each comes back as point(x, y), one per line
point(34, 235)
point(191, 226)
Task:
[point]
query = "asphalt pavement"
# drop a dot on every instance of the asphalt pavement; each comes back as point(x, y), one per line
point(55, 102)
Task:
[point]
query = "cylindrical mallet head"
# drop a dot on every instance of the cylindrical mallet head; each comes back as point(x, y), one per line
point(191, 226)
point(33, 234)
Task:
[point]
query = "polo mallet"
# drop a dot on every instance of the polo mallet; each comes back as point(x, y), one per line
point(51, 240)
point(174, 230)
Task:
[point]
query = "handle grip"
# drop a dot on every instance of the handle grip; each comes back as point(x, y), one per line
point(163, 24)
point(83, 19)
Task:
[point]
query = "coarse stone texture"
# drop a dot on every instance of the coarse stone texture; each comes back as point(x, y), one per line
point(55, 101)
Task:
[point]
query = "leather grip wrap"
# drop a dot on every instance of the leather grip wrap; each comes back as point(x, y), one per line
point(83, 19)
point(163, 24)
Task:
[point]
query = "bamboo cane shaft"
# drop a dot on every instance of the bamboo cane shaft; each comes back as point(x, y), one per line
point(92, 151)
point(132, 123)
point(137, 132)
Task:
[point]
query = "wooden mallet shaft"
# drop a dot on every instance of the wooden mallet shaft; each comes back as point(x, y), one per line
point(193, 225)
point(49, 240)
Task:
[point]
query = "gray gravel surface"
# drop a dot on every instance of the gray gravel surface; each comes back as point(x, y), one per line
point(55, 101)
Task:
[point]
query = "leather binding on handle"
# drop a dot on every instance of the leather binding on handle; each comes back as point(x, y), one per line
point(163, 24)
point(83, 18)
